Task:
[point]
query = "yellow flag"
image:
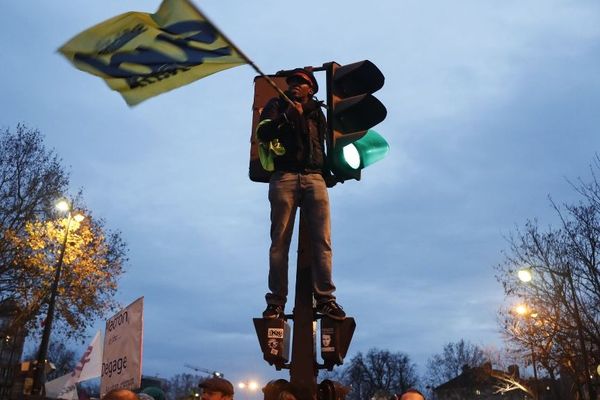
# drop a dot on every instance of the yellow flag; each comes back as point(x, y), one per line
point(141, 55)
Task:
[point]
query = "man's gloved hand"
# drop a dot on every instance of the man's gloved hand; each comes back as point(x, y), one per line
point(294, 112)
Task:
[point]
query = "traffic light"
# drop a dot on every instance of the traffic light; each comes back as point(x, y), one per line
point(352, 112)
point(274, 339)
point(332, 390)
point(335, 340)
point(263, 92)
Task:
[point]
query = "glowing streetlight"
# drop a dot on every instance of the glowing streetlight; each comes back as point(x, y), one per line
point(39, 376)
point(249, 387)
point(521, 309)
point(63, 205)
point(524, 311)
point(525, 275)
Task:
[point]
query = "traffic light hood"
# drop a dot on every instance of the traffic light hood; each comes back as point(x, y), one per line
point(304, 75)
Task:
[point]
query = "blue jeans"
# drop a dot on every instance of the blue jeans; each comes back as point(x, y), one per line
point(287, 192)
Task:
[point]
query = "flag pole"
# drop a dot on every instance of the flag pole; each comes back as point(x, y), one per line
point(244, 56)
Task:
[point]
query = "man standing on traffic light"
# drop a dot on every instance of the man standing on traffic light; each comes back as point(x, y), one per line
point(292, 146)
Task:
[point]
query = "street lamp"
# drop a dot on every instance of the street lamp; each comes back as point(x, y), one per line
point(528, 314)
point(525, 275)
point(521, 309)
point(250, 386)
point(40, 376)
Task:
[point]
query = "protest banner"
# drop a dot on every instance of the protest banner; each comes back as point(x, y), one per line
point(88, 367)
point(122, 357)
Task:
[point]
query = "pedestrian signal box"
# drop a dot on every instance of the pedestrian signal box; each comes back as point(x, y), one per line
point(335, 340)
point(274, 338)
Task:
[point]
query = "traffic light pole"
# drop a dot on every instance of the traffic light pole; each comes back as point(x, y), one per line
point(303, 370)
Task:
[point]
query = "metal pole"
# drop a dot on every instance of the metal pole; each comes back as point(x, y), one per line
point(40, 375)
point(303, 370)
point(531, 333)
point(535, 376)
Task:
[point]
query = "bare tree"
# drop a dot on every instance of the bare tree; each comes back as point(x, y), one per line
point(562, 329)
point(183, 386)
point(379, 372)
point(507, 383)
point(450, 362)
point(31, 179)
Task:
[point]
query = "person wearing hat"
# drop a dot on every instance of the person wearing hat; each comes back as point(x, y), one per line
point(216, 388)
point(292, 146)
point(154, 392)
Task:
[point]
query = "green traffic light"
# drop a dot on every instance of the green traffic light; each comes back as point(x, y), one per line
point(369, 149)
point(351, 156)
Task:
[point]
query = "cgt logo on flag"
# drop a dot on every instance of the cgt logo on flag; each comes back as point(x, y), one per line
point(142, 55)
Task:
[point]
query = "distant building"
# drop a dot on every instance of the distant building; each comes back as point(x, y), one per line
point(11, 349)
point(485, 383)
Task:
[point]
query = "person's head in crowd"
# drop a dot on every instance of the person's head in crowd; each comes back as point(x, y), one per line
point(154, 392)
point(216, 389)
point(412, 394)
point(285, 395)
point(120, 394)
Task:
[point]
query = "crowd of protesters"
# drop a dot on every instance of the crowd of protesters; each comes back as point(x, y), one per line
point(220, 389)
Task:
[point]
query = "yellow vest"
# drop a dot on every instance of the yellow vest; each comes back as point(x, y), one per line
point(268, 151)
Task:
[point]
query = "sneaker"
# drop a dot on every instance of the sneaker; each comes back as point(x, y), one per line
point(273, 311)
point(332, 310)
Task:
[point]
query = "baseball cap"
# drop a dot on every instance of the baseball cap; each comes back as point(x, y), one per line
point(304, 75)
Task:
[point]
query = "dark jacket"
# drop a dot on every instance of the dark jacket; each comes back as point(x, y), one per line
point(302, 136)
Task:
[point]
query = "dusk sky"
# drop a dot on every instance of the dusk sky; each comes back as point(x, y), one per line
point(492, 106)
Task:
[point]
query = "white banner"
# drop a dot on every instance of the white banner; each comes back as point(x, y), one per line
point(90, 364)
point(122, 358)
point(88, 367)
point(62, 388)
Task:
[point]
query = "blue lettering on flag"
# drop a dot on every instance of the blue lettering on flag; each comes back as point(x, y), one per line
point(161, 65)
